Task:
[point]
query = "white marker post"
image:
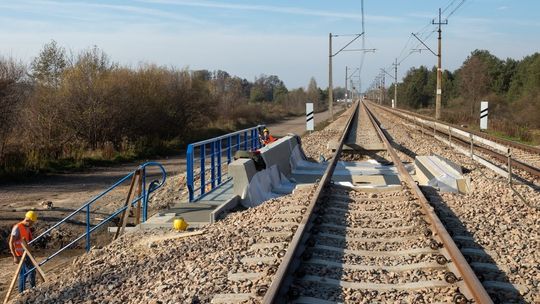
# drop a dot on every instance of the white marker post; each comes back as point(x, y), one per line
point(483, 115)
point(309, 117)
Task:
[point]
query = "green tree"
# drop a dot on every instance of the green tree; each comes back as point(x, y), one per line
point(413, 92)
point(48, 66)
point(474, 82)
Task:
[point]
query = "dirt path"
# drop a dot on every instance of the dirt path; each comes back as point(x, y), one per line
point(297, 125)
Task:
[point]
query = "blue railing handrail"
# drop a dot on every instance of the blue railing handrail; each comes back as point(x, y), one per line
point(246, 139)
point(206, 141)
point(143, 197)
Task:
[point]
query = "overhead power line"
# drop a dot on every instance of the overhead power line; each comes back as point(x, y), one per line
point(459, 5)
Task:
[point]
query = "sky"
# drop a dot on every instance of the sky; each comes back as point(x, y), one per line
point(284, 38)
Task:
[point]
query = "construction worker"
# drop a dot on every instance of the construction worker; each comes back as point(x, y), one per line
point(266, 138)
point(21, 233)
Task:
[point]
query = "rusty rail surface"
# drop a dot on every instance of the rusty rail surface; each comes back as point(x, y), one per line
point(290, 261)
point(469, 284)
point(472, 283)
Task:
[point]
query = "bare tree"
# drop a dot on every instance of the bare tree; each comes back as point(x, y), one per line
point(11, 95)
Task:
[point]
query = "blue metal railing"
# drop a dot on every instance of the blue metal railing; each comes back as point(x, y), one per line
point(205, 159)
point(143, 198)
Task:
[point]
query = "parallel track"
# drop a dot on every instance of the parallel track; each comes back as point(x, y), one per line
point(352, 246)
point(524, 157)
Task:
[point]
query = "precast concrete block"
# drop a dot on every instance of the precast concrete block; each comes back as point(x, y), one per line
point(242, 171)
point(279, 152)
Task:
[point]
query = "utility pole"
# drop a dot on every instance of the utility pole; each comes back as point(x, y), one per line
point(330, 55)
point(346, 91)
point(379, 95)
point(439, 68)
point(352, 89)
point(395, 82)
point(330, 85)
point(383, 97)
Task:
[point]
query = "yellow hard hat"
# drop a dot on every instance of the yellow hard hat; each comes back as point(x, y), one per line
point(180, 224)
point(31, 215)
point(266, 130)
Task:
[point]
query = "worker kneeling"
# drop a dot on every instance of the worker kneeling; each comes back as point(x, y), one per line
point(266, 138)
point(21, 233)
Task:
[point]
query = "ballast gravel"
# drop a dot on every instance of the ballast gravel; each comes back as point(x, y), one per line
point(499, 222)
point(143, 267)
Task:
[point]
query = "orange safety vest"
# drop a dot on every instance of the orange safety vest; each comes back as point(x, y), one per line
point(24, 233)
point(270, 139)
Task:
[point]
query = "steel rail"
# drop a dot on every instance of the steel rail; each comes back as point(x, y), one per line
point(472, 283)
point(277, 288)
point(511, 143)
point(500, 157)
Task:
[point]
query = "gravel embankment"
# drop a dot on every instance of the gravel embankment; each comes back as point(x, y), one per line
point(142, 267)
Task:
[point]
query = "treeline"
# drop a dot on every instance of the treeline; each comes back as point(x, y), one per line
point(511, 86)
point(65, 110)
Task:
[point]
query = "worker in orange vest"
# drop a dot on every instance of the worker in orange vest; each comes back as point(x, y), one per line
point(21, 233)
point(267, 138)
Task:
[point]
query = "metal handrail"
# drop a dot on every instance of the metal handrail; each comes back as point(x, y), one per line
point(143, 197)
point(226, 135)
point(247, 139)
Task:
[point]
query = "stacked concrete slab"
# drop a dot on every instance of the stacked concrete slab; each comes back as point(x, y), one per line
point(441, 173)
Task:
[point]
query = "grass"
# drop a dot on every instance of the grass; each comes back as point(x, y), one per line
point(503, 135)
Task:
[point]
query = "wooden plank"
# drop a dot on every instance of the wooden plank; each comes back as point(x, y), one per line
point(127, 205)
point(138, 194)
point(36, 264)
point(12, 284)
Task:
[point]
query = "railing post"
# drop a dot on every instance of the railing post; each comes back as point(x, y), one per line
point(203, 156)
point(238, 142)
point(213, 164)
point(189, 164)
point(509, 154)
point(257, 141)
point(245, 140)
point(218, 144)
point(229, 149)
point(253, 143)
point(87, 227)
point(472, 144)
point(144, 196)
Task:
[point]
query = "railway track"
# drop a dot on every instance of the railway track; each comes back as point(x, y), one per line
point(522, 157)
point(359, 245)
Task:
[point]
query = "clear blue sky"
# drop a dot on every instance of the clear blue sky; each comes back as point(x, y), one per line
point(284, 38)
